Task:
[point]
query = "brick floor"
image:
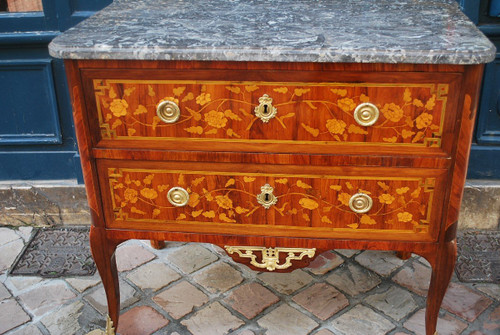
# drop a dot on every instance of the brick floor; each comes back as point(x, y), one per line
point(128, 257)
point(191, 289)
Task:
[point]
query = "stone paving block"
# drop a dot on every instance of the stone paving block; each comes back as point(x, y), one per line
point(153, 275)
point(28, 330)
point(191, 257)
point(251, 299)
point(347, 252)
point(82, 284)
point(11, 315)
point(9, 253)
point(218, 278)
point(492, 322)
point(64, 320)
point(464, 302)
point(324, 263)
point(493, 290)
point(324, 332)
point(44, 298)
point(7, 235)
point(130, 256)
point(322, 300)
point(4, 293)
point(214, 319)
point(286, 320)
point(381, 262)
point(401, 333)
point(98, 298)
point(20, 283)
point(180, 299)
point(415, 277)
point(141, 320)
point(286, 283)
point(361, 320)
point(394, 302)
point(24, 233)
point(446, 324)
point(476, 332)
point(246, 332)
point(353, 279)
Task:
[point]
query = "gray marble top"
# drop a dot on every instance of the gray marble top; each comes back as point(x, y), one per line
point(367, 31)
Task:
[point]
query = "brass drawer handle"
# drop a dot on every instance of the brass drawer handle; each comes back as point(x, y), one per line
point(266, 198)
point(360, 203)
point(265, 110)
point(366, 114)
point(168, 111)
point(178, 196)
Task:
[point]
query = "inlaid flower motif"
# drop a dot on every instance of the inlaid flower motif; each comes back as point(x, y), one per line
point(149, 193)
point(118, 107)
point(170, 99)
point(386, 198)
point(203, 99)
point(130, 195)
point(308, 203)
point(423, 120)
point(224, 202)
point(346, 104)
point(335, 126)
point(392, 112)
point(405, 217)
point(215, 119)
point(344, 198)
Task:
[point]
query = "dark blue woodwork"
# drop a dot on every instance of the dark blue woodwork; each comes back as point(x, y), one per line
point(36, 129)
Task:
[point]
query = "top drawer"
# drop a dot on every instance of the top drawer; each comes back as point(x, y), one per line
point(312, 117)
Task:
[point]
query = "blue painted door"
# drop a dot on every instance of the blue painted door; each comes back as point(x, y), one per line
point(36, 131)
point(485, 154)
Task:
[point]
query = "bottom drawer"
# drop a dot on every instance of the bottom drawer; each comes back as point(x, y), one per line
point(294, 201)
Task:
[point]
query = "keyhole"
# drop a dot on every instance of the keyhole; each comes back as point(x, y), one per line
point(266, 197)
point(265, 109)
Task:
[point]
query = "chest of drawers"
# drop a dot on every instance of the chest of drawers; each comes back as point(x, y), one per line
point(274, 161)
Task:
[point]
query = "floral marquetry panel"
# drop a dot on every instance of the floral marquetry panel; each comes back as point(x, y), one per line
point(319, 113)
point(311, 202)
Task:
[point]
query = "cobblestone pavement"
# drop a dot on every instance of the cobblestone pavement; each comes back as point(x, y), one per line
point(197, 289)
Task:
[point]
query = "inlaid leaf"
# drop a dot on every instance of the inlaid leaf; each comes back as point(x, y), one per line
point(196, 115)
point(181, 180)
point(308, 203)
point(402, 190)
point(194, 199)
point(148, 179)
point(327, 209)
point(303, 185)
point(306, 217)
point(402, 201)
point(196, 213)
point(286, 116)
point(151, 91)
point(118, 186)
point(405, 217)
point(251, 88)
point(434, 127)
point(156, 121)
point(128, 91)
point(131, 131)
point(149, 193)
point(407, 133)
point(116, 124)
point(179, 90)
point(282, 208)
point(364, 98)
point(127, 179)
point(156, 212)
point(325, 219)
point(310, 104)
point(344, 198)
point(140, 110)
point(431, 103)
point(420, 135)
point(248, 179)
point(208, 195)
point(231, 132)
point(109, 116)
point(409, 121)
point(364, 191)
point(225, 218)
point(292, 211)
point(353, 129)
point(234, 89)
point(209, 214)
point(383, 185)
point(230, 182)
point(229, 113)
point(136, 211)
point(181, 216)
point(211, 131)
point(281, 181)
point(415, 194)
point(313, 131)
point(162, 188)
point(244, 112)
point(338, 91)
point(281, 89)
point(353, 226)
point(335, 187)
point(241, 210)
point(112, 93)
point(197, 181)
point(407, 95)
point(392, 139)
point(194, 130)
point(365, 219)
point(337, 138)
point(422, 209)
point(418, 103)
point(300, 91)
point(349, 185)
point(188, 97)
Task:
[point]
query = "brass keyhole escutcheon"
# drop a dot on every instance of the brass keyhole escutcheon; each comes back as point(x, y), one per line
point(366, 114)
point(360, 203)
point(178, 196)
point(168, 111)
point(266, 198)
point(265, 110)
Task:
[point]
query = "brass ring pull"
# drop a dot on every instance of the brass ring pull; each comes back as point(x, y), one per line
point(360, 203)
point(265, 110)
point(366, 114)
point(266, 198)
point(168, 111)
point(178, 196)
